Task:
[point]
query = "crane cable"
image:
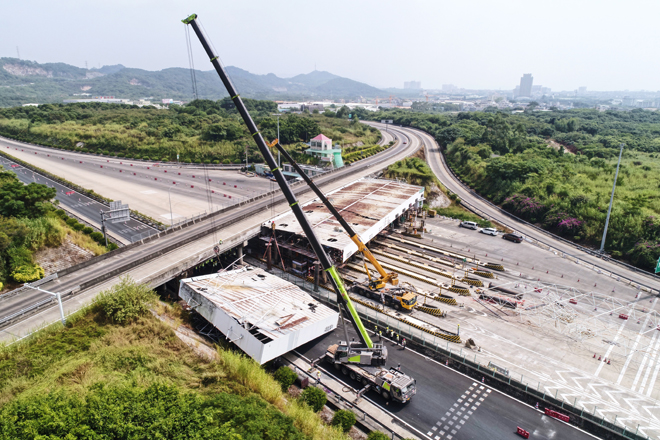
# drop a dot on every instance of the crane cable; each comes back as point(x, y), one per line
point(191, 62)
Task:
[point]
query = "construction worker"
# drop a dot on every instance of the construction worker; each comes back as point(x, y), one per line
point(375, 329)
point(318, 376)
point(397, 339)
point(380, 335)
point(403, 343)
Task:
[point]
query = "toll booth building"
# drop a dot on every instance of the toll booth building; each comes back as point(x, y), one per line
point(262, 314)
point(321, 147)
point(368, 205)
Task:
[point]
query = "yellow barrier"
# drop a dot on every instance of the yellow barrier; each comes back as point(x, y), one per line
point(494, 266)
point(472, 282)
point(450, 301)
point(484, 274)
point(429, 310)
point(459, 290)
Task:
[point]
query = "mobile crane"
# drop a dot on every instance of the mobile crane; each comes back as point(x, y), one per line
point(397, 297)
point(362, 359)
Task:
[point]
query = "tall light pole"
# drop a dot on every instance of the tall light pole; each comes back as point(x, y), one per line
point(609, 210)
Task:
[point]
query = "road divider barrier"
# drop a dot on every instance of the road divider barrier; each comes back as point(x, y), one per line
point(484, 274)
point(494, 266)
point(431, 311)
point(460, 290)
point(556, 415)
point(472, 282)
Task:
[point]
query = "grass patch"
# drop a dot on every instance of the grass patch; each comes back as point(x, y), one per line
point(461, 214)
point(100, 378)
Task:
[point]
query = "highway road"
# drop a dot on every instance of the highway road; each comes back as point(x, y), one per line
point(449, 405)
point(436, 161)
point(166, 247)
point(84, 207)
point(168, 193)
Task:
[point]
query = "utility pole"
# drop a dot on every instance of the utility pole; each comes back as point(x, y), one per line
point(18, 54)
point(56, 295)
point(103, 228)
point(246, 158)
point(609, 210)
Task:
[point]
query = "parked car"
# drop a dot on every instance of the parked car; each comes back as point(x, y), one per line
point(516, 238)
point(468, 225)
point(489, 231)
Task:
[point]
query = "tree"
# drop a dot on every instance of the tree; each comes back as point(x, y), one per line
point(286, 377)
point(377, 435)
point(344, 419)
point(314, 397)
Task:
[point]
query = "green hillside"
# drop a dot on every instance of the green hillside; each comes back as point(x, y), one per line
point(24, 82)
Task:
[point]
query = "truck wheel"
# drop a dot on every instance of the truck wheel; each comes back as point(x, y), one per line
point(364, 381)
point(344, 371)
point(352, 375)
point(397, 306)
point(385, 394)
point(337, 366)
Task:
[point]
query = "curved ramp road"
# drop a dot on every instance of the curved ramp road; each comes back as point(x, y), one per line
point(436, 161)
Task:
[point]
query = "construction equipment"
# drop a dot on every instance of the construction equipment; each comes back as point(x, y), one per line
point(364, 351)
point(397, 297)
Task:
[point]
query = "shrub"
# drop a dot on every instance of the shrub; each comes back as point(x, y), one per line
point(97, 236)
point(314, 397)
point(165, 159)
point(78, 227)
point(377, 435)
point(226, 161)
point(126, 301)
point(60, 213)
point(344, 419)
point(216, 162)
point(71, 222)
point(87, 230)
point(207, 161)
point(286, 377)
point(112, 246)
point(27, 273)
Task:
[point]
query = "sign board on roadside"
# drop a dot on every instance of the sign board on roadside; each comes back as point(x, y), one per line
point(118, 212)
point(657, 266)
point(386, 121)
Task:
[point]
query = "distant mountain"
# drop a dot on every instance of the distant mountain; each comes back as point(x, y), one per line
point(28, 81)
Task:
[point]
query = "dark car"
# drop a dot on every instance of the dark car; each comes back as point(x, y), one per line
point(516, 238)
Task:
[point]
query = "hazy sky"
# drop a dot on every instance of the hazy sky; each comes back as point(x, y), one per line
point(603, 44)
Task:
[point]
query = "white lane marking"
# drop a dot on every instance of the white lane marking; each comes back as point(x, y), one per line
point(652, 361)
point(641, 367)
point(634, 347)
point(611, 347)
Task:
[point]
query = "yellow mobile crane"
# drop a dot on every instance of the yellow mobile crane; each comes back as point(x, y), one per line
point(397, 297)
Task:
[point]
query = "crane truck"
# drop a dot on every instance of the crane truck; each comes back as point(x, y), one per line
point(363, 358)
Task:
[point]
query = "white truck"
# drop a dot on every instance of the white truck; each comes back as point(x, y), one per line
point(392, 384)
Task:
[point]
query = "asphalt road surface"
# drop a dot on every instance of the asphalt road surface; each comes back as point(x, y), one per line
point(442, 408)
point(86, 208)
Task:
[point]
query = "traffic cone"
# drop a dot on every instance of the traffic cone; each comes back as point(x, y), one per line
point(517, 264)
point(594, 284)
point(608, 362)
point(599, 357)
point(578, 280)
point(594, 355)
point(482, 379)
point(562, 275)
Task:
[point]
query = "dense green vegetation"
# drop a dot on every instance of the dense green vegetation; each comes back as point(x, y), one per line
point(100, 377)
point(28, 223)
point(202, 131)
point(556, 169)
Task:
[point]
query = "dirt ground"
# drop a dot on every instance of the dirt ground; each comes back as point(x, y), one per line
point(67, 255)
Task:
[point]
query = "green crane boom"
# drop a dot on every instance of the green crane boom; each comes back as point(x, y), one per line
point(342, 295)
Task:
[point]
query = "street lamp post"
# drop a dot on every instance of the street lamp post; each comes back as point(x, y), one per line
point(169, 196)
point(105, 233)
point(609, 210)
point(56, 295)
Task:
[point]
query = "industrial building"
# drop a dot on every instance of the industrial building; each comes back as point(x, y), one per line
point(262, 314)
point(369, 205)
